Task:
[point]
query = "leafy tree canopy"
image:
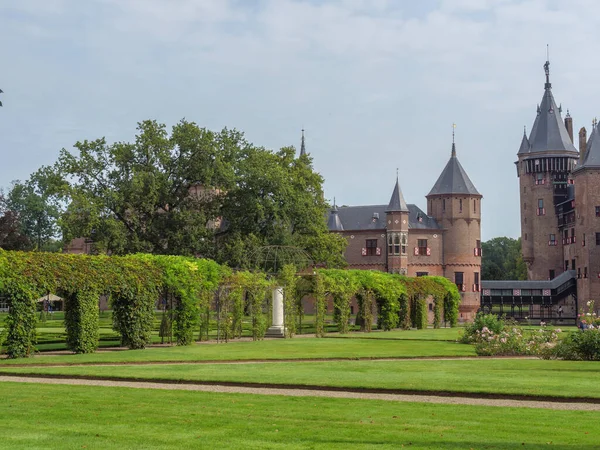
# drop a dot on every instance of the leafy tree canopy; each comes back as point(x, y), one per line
point(502, 260)
point(33, 211)
point(193, 192)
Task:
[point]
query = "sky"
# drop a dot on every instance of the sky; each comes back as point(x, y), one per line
point(376, 84)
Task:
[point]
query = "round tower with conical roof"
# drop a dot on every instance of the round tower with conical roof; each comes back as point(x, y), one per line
point(545, 161)
point(455, 204)
point(397, 232)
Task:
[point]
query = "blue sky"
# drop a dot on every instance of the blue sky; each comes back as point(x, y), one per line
point(376, 84)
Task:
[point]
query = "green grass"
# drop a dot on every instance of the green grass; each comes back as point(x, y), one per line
point(504, 376)
point(429, 334)
point(75, 417)
point(271, 349)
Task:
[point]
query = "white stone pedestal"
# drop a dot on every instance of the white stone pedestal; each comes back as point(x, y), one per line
point(277, 329)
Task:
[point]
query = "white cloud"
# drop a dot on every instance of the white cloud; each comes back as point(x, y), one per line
point(377, 84)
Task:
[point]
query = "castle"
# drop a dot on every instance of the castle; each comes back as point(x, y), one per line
point(401, 238)
point(560, 199)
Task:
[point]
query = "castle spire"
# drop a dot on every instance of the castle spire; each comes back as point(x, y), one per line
point(524, 148)
point(302, 145)
point(453, 179)
point(397, 202)
point(333, 222)
point(453, 154)
point(549, 132)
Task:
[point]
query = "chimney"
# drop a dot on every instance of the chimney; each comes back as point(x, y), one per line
point(569, 125)
point(582, 143)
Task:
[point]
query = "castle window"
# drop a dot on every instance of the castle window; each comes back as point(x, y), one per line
point(431, 307)
point(459, 280)
point(460, 205)
point(396, 244)
point(552, 240)
point(422, 274)
point(539, 178)
point(444, 205)
point(476, 280)
point(551, 274)
point(541, 211)
point(579, 272)
point(371, 245)
point(597, 211)
point(525, 237)
point(585, 272)
point(572, 235)
point(390, 244)
point(404, 239)
point(566, 264)
point(583, 240)
point(572, 264)
point(597, 238)
point(474, 206)
point(566, 237)
point(422, 244)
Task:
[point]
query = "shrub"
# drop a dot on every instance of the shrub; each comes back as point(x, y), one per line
point(512, 341)
point(490, 322)
point(508, 342)
point(582, 345)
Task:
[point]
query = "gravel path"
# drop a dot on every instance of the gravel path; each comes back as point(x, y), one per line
point(310, 393)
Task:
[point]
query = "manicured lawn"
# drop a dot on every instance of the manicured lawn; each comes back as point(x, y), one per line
point(75, 417)
point(504, 376)
point(271, 349)
point(441, 334)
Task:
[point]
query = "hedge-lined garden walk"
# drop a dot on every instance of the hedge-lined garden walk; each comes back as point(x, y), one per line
point(135, 283)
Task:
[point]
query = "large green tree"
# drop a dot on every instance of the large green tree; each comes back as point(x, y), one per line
point(34, 208)
point(11, 237)
point(502, 260)
point(193, 192)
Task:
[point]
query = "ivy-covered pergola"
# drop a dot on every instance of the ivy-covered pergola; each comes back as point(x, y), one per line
point(134, 283)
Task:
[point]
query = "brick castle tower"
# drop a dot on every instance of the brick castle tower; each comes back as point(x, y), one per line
point(455, 204)
point(545, 162)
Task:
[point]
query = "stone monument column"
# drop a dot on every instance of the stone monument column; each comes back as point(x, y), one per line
point(277, 329)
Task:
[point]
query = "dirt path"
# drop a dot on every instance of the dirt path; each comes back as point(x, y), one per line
point(308, 393)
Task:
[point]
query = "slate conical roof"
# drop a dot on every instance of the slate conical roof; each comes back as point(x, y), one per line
point(397, 202)
point(333, 222)
point(525, 146)
point(592, 154)
point(454, 179)
point(549, 132)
